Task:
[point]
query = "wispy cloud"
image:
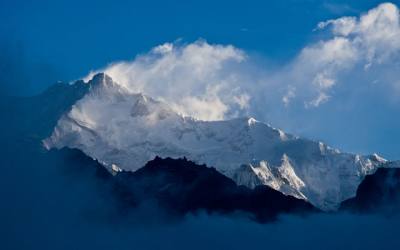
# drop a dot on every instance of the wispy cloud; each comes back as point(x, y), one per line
point(213, 82)
point(368, 41)
point(197, 79)
point(339, 8)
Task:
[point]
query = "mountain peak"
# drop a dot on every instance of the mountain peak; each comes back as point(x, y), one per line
point(378, 158)
point(251, 121)
point(104, 81)
point(103, 85)
point(101, 78)
point(128, 129)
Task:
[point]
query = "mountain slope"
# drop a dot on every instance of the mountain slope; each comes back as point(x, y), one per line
point(377, 192)
point(182, 186)
point(35, 117)
point(124, 130)
point(59, 186)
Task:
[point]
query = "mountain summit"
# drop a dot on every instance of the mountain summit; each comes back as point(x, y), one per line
point(124, 130)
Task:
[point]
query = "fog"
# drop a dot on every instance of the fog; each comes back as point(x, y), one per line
point(49, 201)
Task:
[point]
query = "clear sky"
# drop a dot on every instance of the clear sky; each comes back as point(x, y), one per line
point(42, 42)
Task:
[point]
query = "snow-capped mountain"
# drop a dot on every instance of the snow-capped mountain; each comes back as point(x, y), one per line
point(124, 130)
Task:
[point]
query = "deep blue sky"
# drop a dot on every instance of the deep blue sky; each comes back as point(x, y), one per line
point(42, 42)
point(45, 41)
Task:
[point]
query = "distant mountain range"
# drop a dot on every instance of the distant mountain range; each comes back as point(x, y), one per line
point(148, 152)
point(124, 130)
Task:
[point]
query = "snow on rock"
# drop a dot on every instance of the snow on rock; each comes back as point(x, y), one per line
point(125, 129)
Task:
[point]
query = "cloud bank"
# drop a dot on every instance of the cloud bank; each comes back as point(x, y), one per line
point(370, 41)
point(215, 82)
point(196, 79)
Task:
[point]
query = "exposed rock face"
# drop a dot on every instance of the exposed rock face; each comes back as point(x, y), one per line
point(126, 130)
point(377, 192)
point(182, 186)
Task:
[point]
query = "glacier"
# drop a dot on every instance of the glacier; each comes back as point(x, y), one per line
point(124, 130)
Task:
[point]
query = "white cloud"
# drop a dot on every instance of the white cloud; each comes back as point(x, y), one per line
point(371, 40)
point(242, 100)
point(214, 82)
point(196, 79)
point(290, 94)
point(163, 48)
point(342, 26)
point(321, 98)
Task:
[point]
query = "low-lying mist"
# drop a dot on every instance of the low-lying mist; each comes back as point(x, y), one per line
point(48, 202)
